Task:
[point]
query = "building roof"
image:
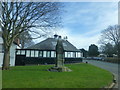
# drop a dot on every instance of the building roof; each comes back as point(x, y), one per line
point(50, 44)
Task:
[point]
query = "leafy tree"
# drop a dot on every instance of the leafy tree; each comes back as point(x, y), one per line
point(18, 17)
point(93, 50)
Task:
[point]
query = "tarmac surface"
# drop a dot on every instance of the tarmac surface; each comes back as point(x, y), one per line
point(113, 68)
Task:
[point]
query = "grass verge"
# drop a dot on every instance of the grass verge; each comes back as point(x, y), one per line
point(82, 76)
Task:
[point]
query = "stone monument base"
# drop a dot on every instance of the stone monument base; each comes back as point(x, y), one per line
point(59, 69)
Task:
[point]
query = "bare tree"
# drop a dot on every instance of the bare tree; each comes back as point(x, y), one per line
point(112, 35)
point(20, 16)
point(25, 39)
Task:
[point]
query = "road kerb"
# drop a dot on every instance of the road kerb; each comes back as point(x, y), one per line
point(113, 83)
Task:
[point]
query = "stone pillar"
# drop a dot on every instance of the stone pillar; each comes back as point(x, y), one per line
point(59, 62)
point(59, 54)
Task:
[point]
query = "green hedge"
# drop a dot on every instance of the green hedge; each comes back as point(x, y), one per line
point(112, 59)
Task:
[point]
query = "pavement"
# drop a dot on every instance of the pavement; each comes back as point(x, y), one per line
point(113, 68)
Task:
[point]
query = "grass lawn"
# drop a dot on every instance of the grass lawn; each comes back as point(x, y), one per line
point(82, 76)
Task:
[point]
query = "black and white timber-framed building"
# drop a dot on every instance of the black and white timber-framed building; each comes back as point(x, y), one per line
point(44, 53)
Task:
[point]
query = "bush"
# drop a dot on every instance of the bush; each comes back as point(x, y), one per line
point(111, 59)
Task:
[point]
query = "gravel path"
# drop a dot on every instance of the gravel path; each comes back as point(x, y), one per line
point(113, 68)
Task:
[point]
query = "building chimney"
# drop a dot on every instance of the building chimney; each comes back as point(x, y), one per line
point(55, 36)
point(65, 38)
point(17, 41)
point(59, 37)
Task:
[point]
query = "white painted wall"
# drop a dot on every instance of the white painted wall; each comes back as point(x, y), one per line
point(1, 53)
point(1, 41)
point(12, 54)
point(1, 59)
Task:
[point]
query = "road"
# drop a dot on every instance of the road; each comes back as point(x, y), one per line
point(113, 68)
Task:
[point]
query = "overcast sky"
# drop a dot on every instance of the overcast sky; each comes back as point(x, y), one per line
point(84, 21)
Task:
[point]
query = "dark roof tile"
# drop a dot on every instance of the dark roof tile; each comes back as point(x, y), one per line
point(50, 44)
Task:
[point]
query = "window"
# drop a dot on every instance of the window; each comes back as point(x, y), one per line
point(28, 53)
point(44, 53)
point(52, 53)
point(22, 52)
point(48, 53)
point(36, 53)
point(32, 53)
point(40, 53)
point(69, 54)
point(76, 54)
point(18, 52)
point(55, 54)
point(65, 54)
point(79, 54)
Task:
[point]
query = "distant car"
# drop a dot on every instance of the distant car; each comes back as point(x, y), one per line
point(98, 58)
